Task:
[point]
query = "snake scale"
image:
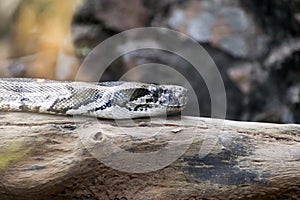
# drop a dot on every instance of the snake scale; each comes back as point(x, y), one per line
point(111, 100)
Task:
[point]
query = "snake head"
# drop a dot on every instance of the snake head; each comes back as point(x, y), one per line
point(172, 97)
point(150, 99)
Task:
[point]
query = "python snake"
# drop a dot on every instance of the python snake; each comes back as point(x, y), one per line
point(111, 100)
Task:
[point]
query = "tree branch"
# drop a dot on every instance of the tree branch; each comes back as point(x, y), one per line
point(47, 156)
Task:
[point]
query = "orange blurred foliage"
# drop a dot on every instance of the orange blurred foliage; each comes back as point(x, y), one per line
point(43, 28)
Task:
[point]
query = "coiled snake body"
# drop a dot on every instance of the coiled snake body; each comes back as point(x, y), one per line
point(112, 100)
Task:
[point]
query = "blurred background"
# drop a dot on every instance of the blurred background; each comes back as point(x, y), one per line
point(254, 43)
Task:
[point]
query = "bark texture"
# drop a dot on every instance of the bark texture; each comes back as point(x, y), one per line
point(45, 156)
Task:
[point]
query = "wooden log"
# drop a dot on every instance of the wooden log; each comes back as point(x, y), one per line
point(57, 157)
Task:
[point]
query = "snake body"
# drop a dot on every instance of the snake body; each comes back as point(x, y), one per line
point(111, 100)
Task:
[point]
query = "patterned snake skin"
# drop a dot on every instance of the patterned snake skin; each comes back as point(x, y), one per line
point(111, 100)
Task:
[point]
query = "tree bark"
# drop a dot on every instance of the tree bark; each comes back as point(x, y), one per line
point(57, 157)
